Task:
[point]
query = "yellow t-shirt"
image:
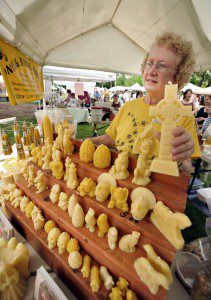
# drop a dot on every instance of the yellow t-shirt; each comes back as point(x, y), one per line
point(132, 120)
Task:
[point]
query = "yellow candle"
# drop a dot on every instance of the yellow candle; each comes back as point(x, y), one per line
point(48, 129)
point(171, 91)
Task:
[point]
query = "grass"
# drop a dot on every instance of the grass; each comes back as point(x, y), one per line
point(85, 130)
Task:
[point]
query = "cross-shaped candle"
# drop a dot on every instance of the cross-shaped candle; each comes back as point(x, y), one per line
point(168, 111)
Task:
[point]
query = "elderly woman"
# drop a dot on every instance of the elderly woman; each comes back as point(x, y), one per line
point(171, 59)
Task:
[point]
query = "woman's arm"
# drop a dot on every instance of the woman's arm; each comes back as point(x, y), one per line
point(103, 139)
point(194, 108)
point(200, 119)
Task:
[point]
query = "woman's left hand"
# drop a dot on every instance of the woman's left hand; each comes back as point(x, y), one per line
point(182, 144)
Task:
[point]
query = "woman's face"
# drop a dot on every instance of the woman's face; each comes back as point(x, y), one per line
point(188, 95)
point(155, 81)
point(207, 101)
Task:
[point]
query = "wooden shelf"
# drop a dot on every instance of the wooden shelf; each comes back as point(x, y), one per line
point(174, 198)
point(117, 261)
point(170, 190)
point(126, 224)
point(58, 262)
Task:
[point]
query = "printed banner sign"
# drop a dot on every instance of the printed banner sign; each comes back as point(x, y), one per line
point(22, 76)
point(79, 88)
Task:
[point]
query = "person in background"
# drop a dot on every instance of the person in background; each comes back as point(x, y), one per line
point(133, 96)
point(207, 122)
point(81, 100)
point(73, 102)
point(66, 101)
point(116, 103)
point(139, 94)
point(202, 114)
point(171, 58)
point(106, 95)
point(196, 99)
point(188, 100)
point(121, 93)
point(84, 100)
point(87, 99)
point(97, 94)
point(126, 96)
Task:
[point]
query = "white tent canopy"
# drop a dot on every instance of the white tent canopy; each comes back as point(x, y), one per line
point(192, 87)
point(118, 88)
point(136, 87)
point(67, 74)
point(197, 90)
point(109, 35)
point(206, 91)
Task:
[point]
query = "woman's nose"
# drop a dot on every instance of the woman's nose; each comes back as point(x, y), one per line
point(153, 70)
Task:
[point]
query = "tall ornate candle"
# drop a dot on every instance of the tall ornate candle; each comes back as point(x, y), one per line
point(168, 111)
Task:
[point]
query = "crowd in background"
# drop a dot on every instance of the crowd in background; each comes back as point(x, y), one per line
point(201, 105)
point(103, 95)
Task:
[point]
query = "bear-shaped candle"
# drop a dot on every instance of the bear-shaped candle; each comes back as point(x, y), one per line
point(168, 111)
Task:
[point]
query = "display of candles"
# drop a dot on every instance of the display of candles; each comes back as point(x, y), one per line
point(32, 132)
point(7, 149)
point(28, 141)
point(24, 132)
point(47, 129)
point(37, 138)
point(18, 141)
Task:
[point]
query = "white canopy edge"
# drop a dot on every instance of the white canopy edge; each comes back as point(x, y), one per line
point(204, 91)
point(197, 89)
point(14, 32)
point(67, 74)
point(118, 88)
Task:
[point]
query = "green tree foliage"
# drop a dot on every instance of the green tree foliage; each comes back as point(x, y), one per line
point(122, 80)
point(107, 85)
point(128, 80)
point(202, 79)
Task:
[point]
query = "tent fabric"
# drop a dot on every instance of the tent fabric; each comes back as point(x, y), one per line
point(204, 91)
point(192, 87)
point(67, 74)
point(136, 87)
point(197, 90)
point(118, 88)
point(109, 35)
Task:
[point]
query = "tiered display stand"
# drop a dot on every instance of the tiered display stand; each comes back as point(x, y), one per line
point(170, 190)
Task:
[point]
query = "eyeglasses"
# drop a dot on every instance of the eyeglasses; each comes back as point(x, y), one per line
point(161, 66)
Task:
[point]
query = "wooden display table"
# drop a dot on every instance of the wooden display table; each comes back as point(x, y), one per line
point(170, 190)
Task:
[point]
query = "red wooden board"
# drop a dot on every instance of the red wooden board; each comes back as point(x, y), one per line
point(170, 190)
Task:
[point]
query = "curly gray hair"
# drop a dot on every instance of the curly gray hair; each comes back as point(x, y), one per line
point(184, 49)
